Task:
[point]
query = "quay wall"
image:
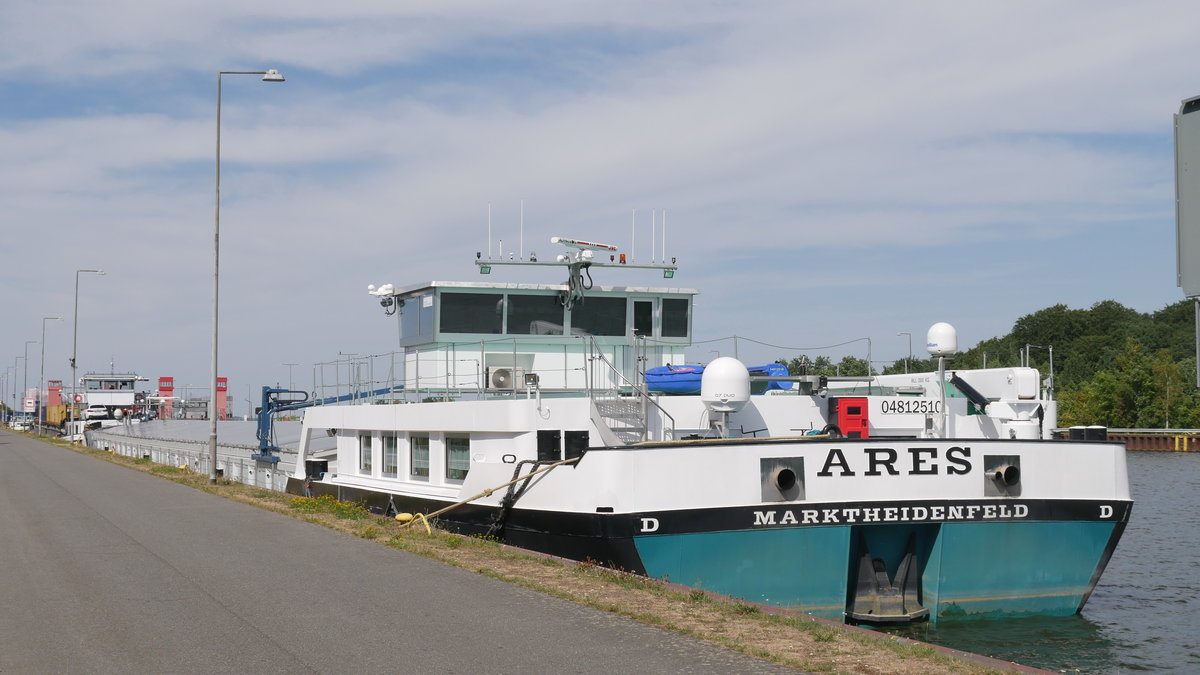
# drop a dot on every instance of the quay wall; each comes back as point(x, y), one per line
point(1158, 440)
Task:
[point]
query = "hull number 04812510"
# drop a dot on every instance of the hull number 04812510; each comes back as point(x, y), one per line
point(910, 406)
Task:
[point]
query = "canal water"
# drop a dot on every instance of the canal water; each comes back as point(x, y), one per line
point(1144, 615)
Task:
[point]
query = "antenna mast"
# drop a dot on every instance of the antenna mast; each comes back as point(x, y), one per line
point(653, 234)
point(633, 237)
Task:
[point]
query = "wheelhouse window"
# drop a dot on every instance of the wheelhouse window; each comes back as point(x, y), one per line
point(458, 457)
point(389, 455)
point(416, 316)
point(364, 453)
point(418, 448)
point(675, 317)
point(535, 315)
point(472, 312)
point(599, 316)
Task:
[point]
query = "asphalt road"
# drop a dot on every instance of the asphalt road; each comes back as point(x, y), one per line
point(107, 570)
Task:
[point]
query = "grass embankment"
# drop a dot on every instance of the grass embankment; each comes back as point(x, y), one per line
point(797, 641)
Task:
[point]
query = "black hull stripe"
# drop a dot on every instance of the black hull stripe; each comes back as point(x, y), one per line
point(608, 538)
point(801, 514)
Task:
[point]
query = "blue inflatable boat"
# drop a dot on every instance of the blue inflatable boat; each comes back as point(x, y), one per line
point(686, 379)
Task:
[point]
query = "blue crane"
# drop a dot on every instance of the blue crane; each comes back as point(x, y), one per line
point(283, 400)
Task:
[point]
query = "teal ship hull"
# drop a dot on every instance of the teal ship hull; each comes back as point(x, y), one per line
point(954, 569)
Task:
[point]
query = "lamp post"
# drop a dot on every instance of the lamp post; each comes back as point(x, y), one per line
point(16, 369)
point(12, 381)
point(268, 76)
point(42, 377)
point(75, 347)
point(909, 349)
point(289, 365)
point(25, 377)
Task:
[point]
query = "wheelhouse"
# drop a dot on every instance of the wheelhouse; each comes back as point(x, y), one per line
point(111, 389)
point(461, 336)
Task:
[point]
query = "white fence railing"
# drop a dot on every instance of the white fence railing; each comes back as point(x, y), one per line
point(233, 461)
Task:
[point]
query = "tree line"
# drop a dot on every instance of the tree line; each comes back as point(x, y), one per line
point(1113, 365)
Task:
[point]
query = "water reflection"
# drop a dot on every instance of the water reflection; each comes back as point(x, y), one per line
point(1069, 644)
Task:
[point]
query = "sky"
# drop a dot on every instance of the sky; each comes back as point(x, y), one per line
point(830, 171)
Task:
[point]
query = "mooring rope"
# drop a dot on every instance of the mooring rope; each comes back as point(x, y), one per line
point(486, 493)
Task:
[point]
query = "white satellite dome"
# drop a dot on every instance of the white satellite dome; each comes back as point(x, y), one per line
point(725, 385)
point(941, 340)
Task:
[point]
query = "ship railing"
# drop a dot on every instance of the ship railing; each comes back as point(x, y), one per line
point(354, 378)
point(445, 371)
point(463, 370)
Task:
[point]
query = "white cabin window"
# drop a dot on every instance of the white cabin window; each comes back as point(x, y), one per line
point(364, 453)
point(458, 457)
point(419, 455)
point(389, 455)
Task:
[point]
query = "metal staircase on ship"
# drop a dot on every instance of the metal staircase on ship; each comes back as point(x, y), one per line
point(621, 408)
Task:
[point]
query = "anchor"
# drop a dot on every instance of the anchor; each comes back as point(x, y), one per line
point(878, 599)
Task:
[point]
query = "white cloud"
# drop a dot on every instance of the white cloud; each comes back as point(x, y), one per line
point(817, 136)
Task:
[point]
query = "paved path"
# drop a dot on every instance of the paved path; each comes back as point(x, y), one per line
point(107, 570)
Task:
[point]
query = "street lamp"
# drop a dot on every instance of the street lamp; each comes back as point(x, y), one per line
point(25, 377)
point(289, 365)
point(16, 369)
point(909, 349)
point(268, 76)
point(42, 378)
point(75, 347)
point(12, 380)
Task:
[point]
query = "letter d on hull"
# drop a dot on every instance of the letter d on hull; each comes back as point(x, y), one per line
point(649, 524)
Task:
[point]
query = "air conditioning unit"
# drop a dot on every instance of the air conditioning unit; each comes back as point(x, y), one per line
point(506, 377)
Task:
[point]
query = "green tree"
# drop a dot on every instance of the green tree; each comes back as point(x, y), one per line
point(1087, 355)
point(1173, 400)
point(913, 366)
point(1052, 325)
point(802, 365)
point(1174, 328)
point(1139, 390)
point(851, 366)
